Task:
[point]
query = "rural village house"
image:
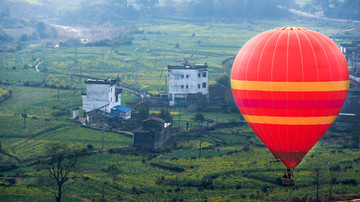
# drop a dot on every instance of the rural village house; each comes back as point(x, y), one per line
point(101, 94)
point(102, 103)
point(185, 79)
point(153, 134)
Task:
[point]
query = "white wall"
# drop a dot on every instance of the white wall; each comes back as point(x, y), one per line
point(184, 81)
point(98, 95)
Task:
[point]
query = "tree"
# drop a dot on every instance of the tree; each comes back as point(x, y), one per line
point(165, 114)
point(199, 117)
point(60, 162)
point(113, 170)
point(347, 9)
point(142, 112)
point(317, 182)
point(124, 3)
point(41, 29)
point(23, 38)
point(224, 80)
point(148, 3)
point(227, 65)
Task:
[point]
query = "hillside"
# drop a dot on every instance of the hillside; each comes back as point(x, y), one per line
point(48, 49)
point(233, 163)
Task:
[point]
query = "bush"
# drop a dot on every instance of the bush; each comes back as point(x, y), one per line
point(335, 168)
point(246, 148)
point(26, 83)
point(90, 147)
point(264, 188)
point(278, 181)
point(349, 181)
point(334, 181)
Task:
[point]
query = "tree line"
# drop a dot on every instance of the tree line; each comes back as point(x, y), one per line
point(115, 11)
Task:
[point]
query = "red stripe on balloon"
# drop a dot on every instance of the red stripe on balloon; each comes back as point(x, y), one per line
point(290, 112)
point(290, 104)
point(322, 95)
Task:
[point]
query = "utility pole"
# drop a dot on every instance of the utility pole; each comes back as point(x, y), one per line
point(179, 114)
point(80, 74)
point(102, 132)
point(24, 116)
point(75, 56)
point(200, 149)
point(58, 95)
point(317, 170)
point(331, 174)
point(44, 58)
point(102, 136)
point(155, 60)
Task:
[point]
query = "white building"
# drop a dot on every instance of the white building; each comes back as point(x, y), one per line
point(187, 79)
point(100, 94)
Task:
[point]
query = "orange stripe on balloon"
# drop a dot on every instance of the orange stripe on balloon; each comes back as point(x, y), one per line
point(290, 120)
point(290, 86)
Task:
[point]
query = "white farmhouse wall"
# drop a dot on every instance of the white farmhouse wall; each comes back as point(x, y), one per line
point(187, 79)
point(99, 95)
point(184, 81)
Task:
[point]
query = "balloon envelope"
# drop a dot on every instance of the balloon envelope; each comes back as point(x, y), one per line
point(290, 84)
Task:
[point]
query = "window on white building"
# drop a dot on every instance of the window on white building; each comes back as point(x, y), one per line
point(182, 76)
point(204, 85)
point(204, 74)
point(187, 86)
point(187, 76)
point(199, 75)
point(182, 86)
point(198, 85)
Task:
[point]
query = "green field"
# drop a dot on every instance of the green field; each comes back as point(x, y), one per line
point(234, 165)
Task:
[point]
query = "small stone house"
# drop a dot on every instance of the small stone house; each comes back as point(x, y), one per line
point(99, 118)
point(153, 134)
point(75, 113)
point(121, 112)
point(217, 93)
point(208, 123)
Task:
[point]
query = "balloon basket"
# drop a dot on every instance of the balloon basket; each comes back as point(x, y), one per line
point(288, 182)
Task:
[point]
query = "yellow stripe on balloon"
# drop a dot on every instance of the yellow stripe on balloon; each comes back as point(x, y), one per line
point(290, 120)
point(290, 28)
point(290, 86)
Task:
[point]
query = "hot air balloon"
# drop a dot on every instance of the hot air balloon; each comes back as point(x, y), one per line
point(290, 83)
